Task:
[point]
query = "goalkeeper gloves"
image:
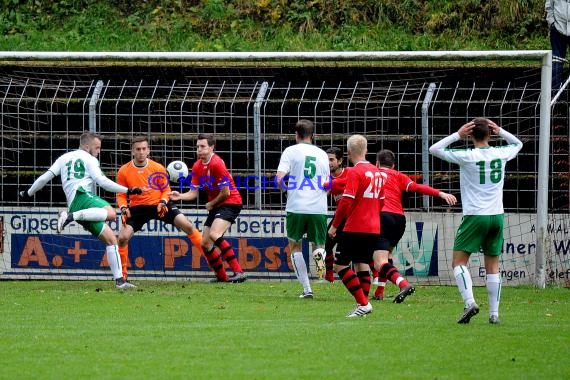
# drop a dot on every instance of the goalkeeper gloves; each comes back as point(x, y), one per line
point(24, 195)
point(134, 191)
point(162, 209)
point(124, 216)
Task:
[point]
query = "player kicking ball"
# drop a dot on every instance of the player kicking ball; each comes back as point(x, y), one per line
point(79, 171)
point(224, 205)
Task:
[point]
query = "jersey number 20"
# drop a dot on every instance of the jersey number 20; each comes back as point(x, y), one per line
point(374, 186)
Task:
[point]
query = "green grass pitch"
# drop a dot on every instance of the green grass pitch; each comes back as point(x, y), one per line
point(262, 330)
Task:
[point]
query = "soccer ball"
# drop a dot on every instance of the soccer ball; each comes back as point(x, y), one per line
point(177, 169)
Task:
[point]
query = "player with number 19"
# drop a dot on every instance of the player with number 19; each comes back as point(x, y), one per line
point(481, 179)
point(79, 171)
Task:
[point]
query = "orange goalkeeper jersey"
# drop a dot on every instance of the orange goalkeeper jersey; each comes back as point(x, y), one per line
point(152, 176)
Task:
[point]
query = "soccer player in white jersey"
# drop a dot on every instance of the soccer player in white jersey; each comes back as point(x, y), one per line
point(481, 180)
point(79, 171)
point(303, 171)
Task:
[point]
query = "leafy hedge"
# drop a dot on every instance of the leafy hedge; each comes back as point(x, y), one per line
point(513, 20)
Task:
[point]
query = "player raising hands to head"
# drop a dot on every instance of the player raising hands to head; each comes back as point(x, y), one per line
point(481, 180)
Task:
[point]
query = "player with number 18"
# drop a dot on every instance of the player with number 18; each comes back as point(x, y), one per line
point(481, 180)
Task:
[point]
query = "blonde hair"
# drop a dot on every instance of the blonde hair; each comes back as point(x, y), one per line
point(356, 144)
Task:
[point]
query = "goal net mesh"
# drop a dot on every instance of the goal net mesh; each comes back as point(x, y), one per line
point(251, 108)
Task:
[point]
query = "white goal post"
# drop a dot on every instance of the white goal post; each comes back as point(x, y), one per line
point(541, 57)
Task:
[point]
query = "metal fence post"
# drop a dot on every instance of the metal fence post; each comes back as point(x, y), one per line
point(425, 141)
point(257, 141)
point(92, 104)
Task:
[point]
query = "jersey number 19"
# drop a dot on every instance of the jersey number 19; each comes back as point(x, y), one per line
point(75, 169)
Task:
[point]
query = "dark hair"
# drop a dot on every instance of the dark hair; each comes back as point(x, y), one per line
point(209, 137)
point(386, 158)
point(481, 129)
point(336, 151)
point(88, 136)
point(138, 139)
point(304, 128)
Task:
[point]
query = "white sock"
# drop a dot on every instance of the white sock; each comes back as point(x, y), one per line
point(493, 283)
point(114, 261)
point(93, 214)
point(464, 283)
point(300, 267)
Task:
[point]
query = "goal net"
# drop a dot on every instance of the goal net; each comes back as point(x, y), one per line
point(400, 101)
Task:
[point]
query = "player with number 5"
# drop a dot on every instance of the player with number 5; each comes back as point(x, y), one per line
point(481, 179)
point(302, 171)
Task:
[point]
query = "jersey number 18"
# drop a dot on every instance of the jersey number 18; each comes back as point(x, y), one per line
point(495, 174)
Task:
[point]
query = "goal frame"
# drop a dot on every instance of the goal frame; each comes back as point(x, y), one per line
point(544, 57)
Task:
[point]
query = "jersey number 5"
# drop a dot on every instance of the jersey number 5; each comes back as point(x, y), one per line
point(310, 169)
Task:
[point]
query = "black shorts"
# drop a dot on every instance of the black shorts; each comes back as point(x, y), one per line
point(331, 241)
point(358, 247)
point(225, 212)
point(392, 227)
point(140, 215)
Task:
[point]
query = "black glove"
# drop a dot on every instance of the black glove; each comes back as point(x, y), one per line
point(134, 191)
point(24, 195)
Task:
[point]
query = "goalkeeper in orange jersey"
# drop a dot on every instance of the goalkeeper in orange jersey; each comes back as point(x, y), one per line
point(137, 210)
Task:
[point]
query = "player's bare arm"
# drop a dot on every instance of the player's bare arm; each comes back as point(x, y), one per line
point(187, 196)
point(332, 231)
point(279, 178)
point(222, 196)
point(449, 198)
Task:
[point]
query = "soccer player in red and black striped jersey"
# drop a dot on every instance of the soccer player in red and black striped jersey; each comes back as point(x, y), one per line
point(358, 208)
point(210, 174)
point(338, 174)
point(137, 210)
point(393, 220)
